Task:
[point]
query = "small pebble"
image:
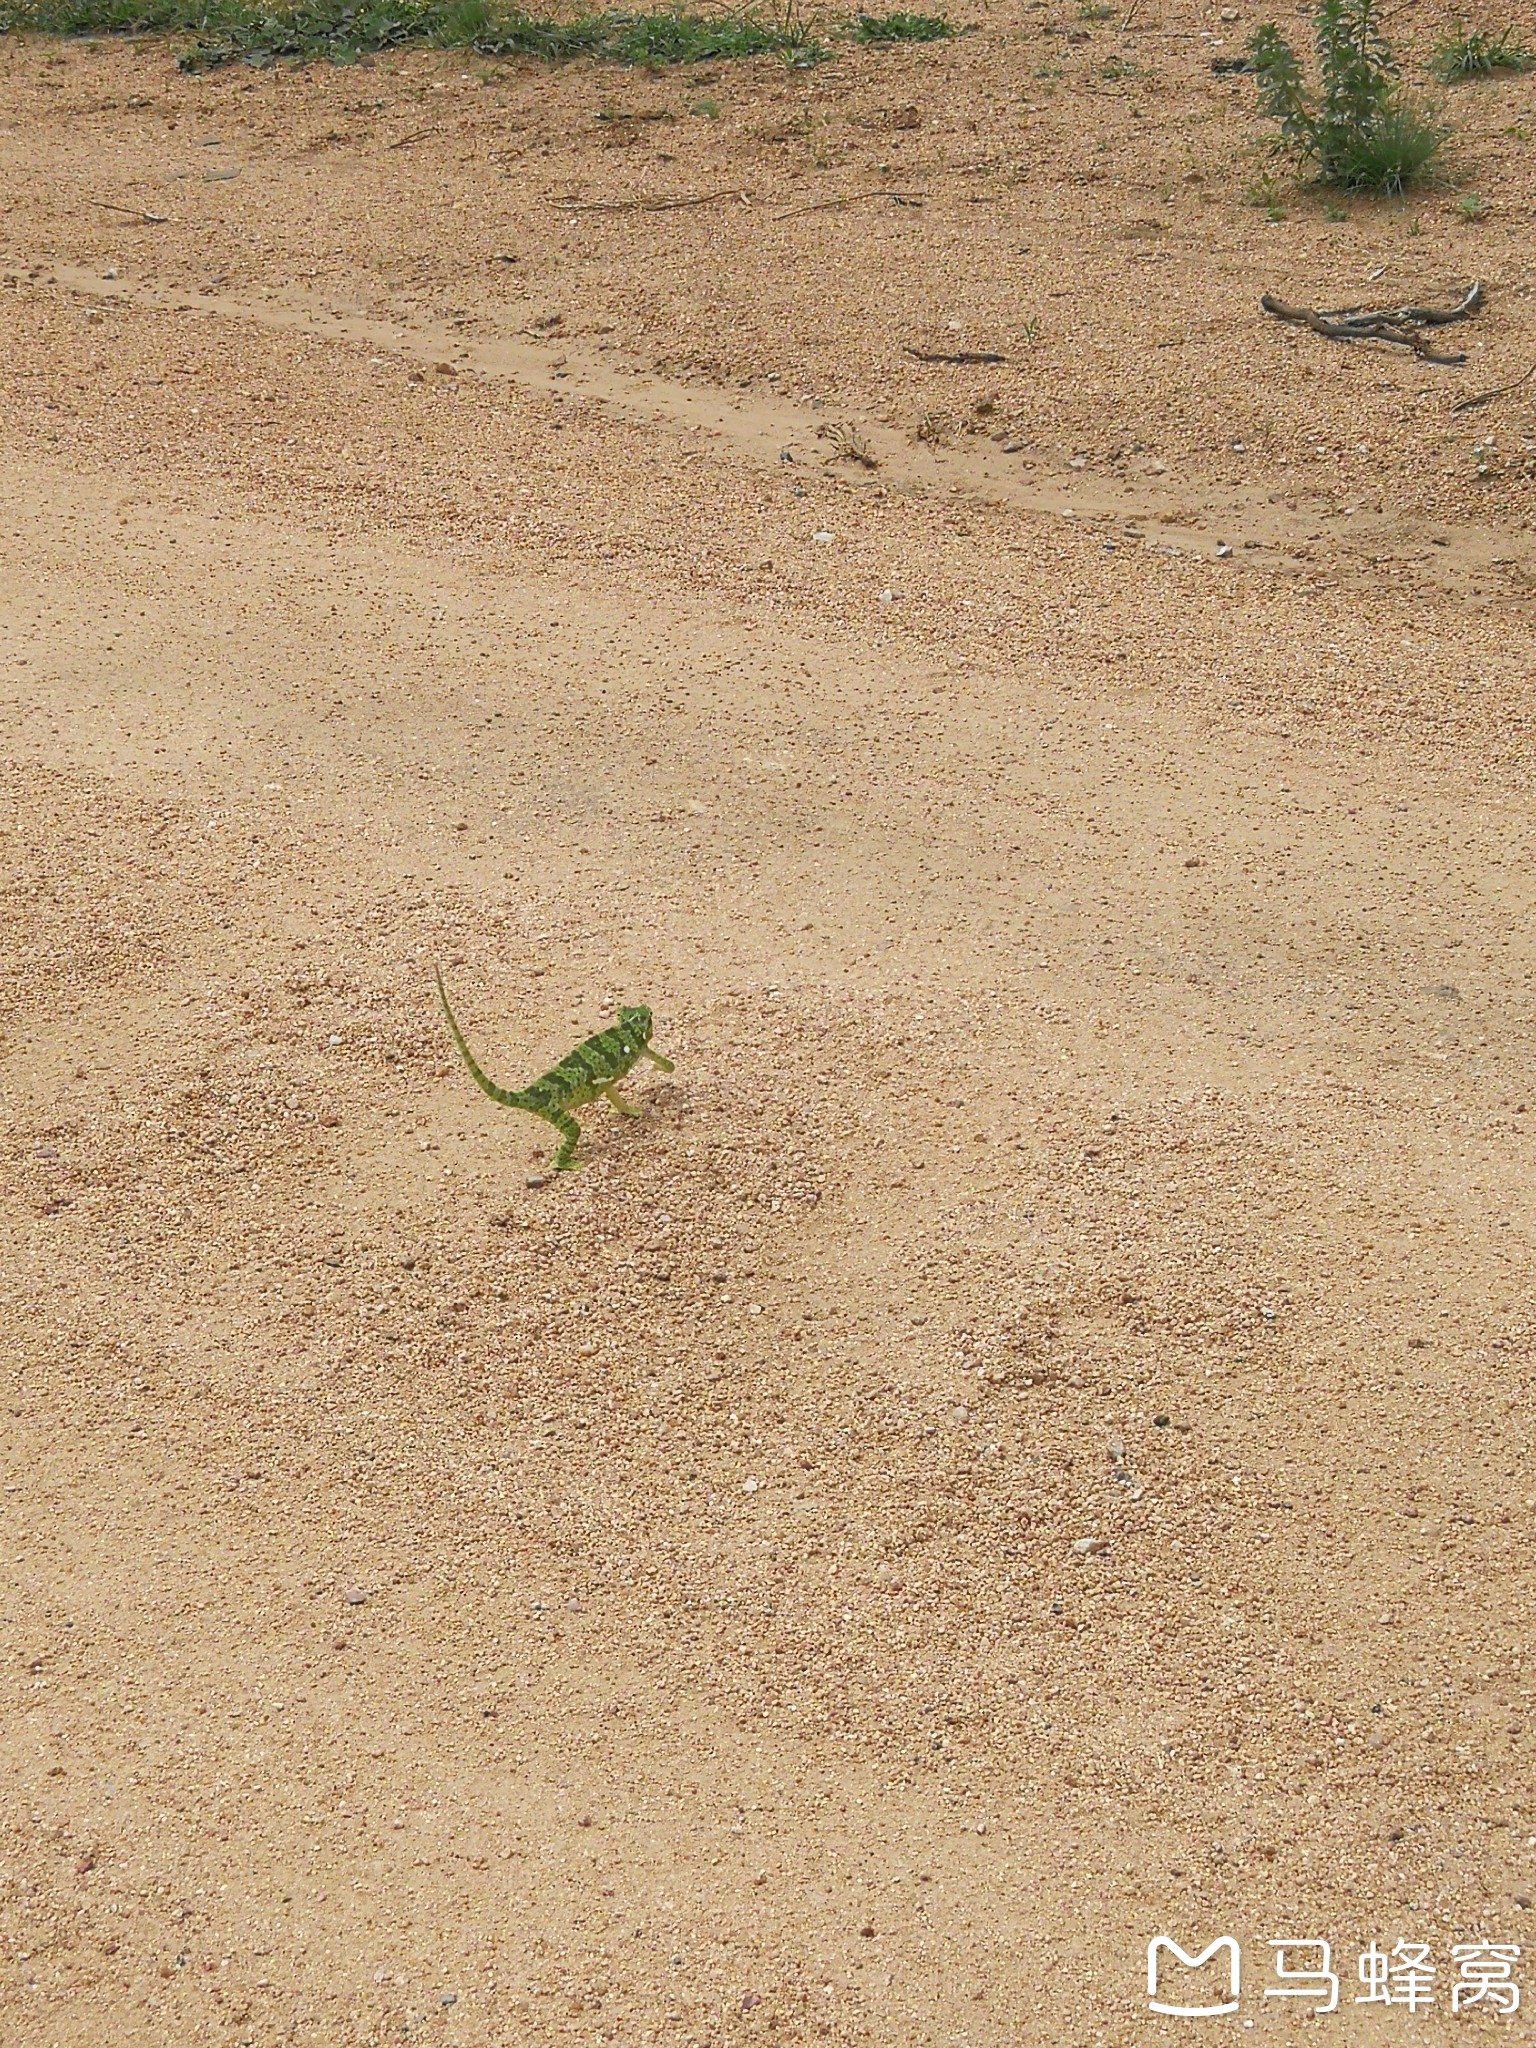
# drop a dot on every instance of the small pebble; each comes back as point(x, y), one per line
point(354, 1596)
point(822, 537)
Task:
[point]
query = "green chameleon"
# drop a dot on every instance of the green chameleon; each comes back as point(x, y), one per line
point(594, 1068)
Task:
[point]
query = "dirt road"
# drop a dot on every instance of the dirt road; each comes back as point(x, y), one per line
point(1025, 1445)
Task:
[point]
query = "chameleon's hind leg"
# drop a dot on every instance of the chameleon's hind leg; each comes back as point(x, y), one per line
point(570, 1134)
point(624, 1108)
point(656, 1060)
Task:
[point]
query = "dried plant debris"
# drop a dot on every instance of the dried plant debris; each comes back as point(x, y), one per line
point(849, 445)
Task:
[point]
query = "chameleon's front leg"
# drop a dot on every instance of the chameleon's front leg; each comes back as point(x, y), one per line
point(656, 1060)
point(624, 1108)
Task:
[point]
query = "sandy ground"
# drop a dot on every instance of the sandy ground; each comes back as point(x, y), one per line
point(1025, 1446)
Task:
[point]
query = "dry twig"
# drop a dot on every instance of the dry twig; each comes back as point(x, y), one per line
point(1477, 398)
point(643, 205)
point(851, 199)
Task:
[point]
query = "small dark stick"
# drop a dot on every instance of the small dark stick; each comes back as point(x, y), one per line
point(152, 220)
point(923, 355)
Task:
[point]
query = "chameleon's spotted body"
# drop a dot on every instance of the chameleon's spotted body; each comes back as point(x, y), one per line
point(595, 1068)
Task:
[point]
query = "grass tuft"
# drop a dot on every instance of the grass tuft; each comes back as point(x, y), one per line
point(900, 28)
point(1396, 149)
point(246, 31)
point(1469, 53)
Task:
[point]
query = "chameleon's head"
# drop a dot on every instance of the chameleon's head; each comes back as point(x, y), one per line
point(638, 1023)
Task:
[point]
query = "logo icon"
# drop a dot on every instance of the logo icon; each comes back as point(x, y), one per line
point(1162, 1945)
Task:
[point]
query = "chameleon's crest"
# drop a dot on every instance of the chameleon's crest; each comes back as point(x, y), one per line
point(595, 1068)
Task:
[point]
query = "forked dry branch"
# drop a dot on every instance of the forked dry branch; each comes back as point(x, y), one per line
point(1403, 326)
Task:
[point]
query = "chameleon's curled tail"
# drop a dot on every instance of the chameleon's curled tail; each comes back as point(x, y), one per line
point(508, 1097)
